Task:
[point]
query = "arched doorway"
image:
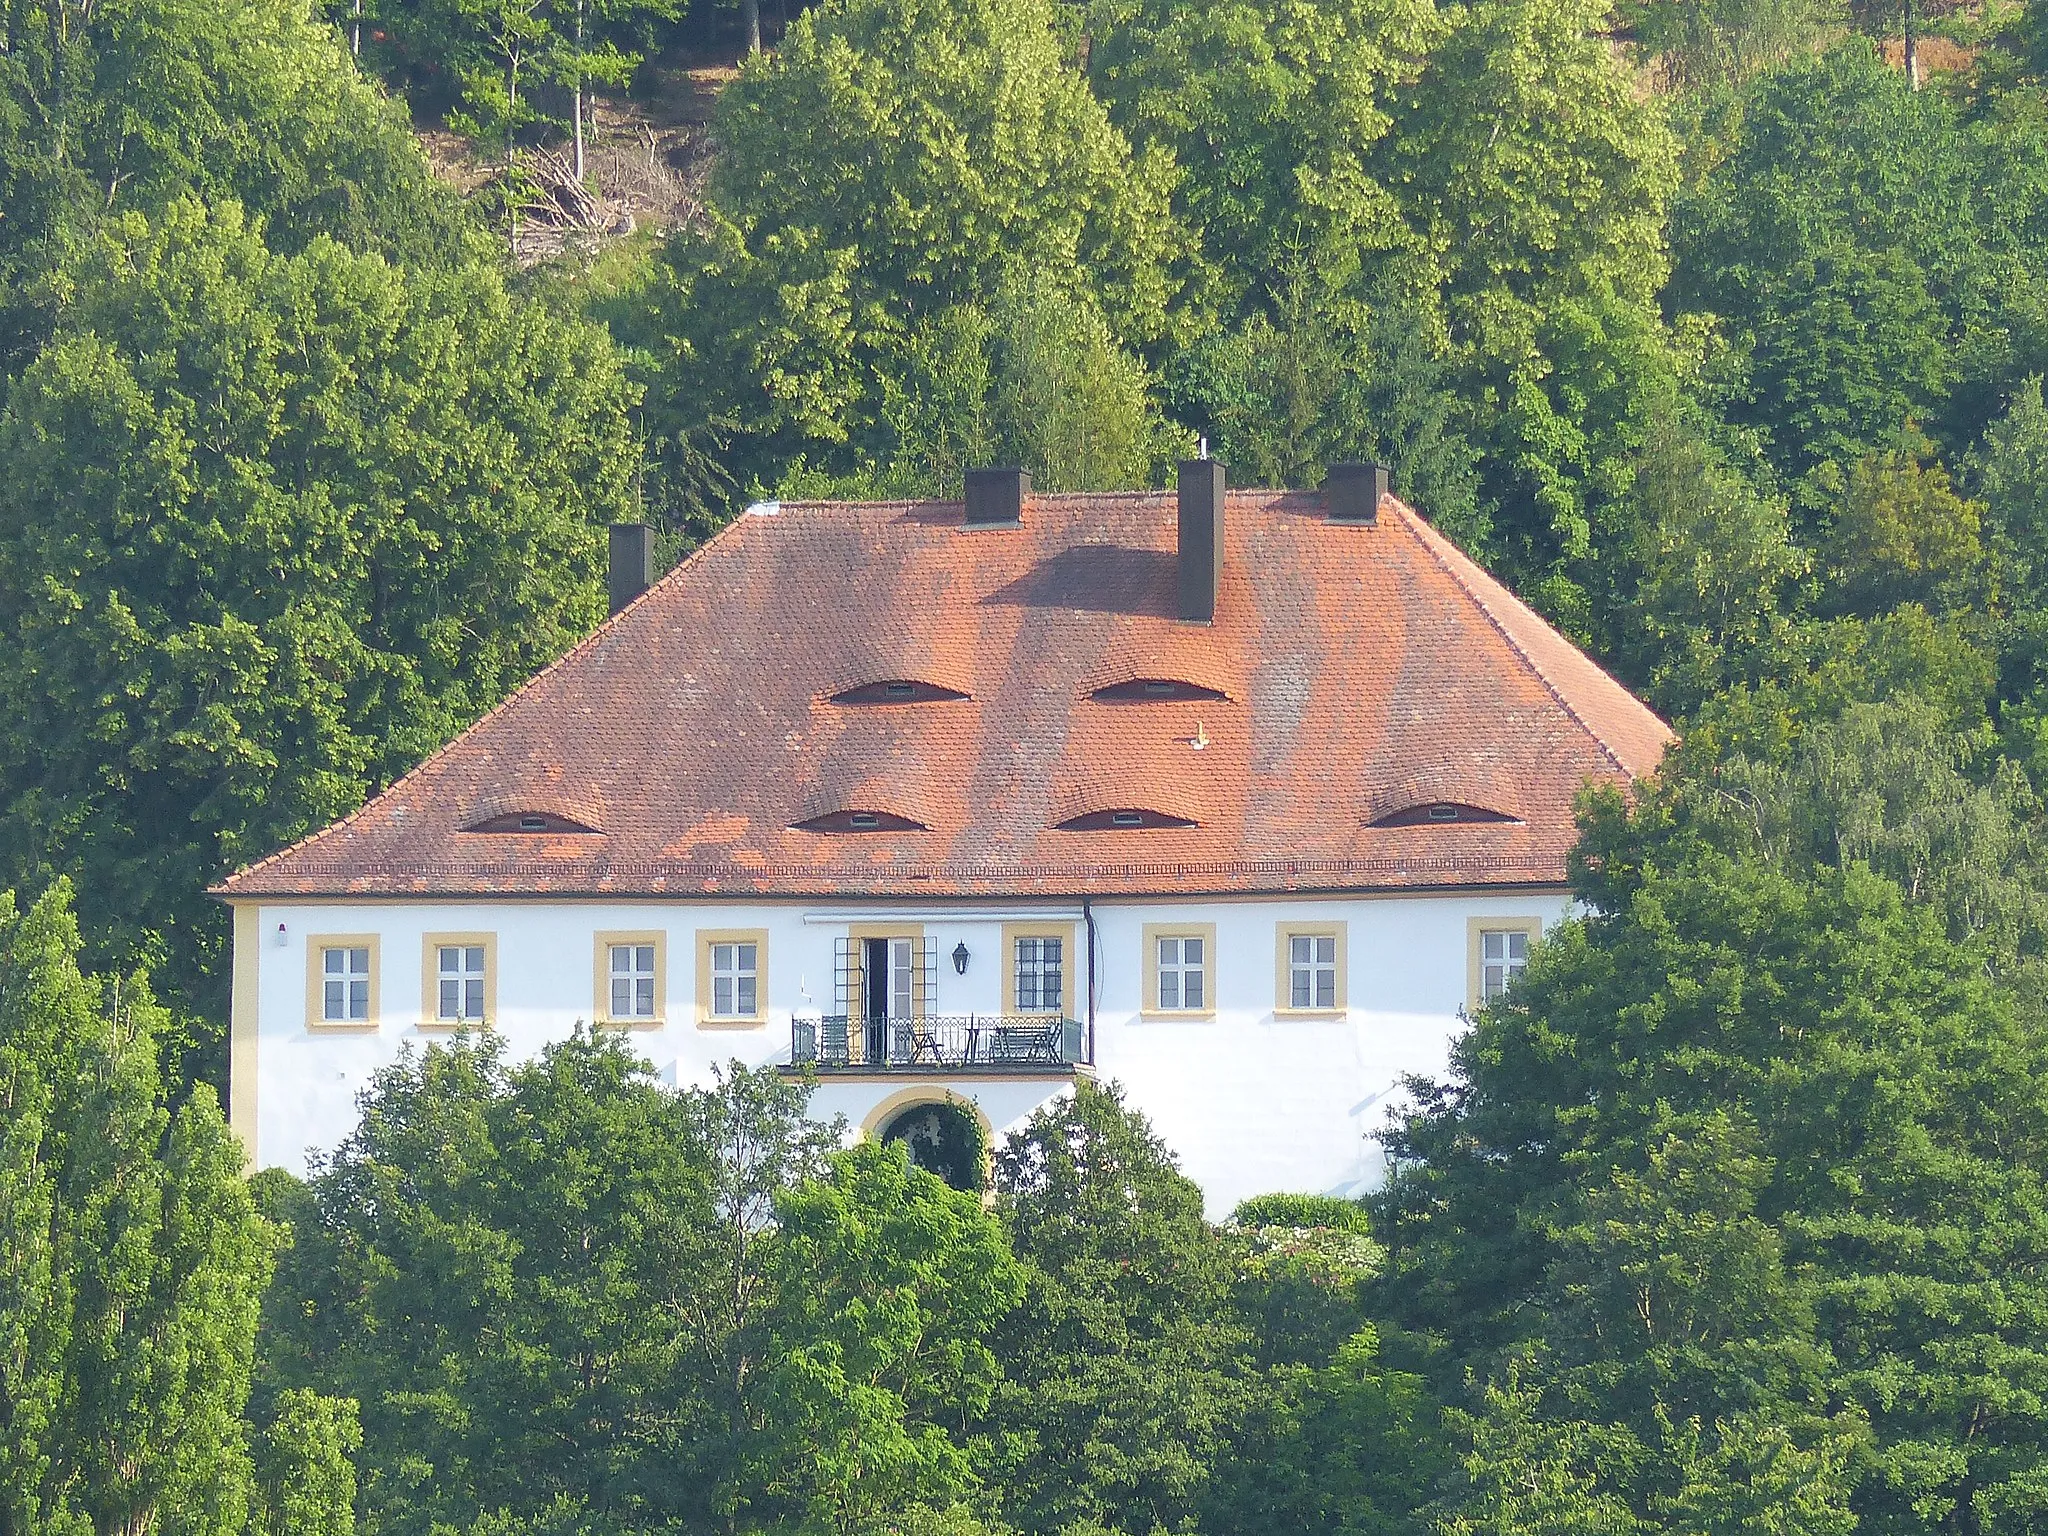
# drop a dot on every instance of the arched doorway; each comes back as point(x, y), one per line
point(942, 1137)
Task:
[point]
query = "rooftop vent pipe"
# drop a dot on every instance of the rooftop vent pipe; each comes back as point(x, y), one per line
point(1353, 491)
point(995, 497)
point(1201, 537)
point(632, 562)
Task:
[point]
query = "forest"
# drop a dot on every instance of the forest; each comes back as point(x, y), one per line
point(1717, 328)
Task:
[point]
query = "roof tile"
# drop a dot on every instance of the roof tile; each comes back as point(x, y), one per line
point(1367, 669)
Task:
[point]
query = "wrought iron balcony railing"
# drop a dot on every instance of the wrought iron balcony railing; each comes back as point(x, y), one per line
point(942, 1043)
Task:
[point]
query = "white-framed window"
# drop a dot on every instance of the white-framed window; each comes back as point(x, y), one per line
point(1183, 973)
point(460, 970)
point(632, 980)
point(1041, 974)
point(345, 984)
point(1503, 955)
point(735, 980)
point(1311, 970)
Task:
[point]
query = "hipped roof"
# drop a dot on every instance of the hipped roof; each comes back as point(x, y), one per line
point(1369, 669)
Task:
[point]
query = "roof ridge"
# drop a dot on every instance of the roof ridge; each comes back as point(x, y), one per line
point(1416, 526)
point(221, 887)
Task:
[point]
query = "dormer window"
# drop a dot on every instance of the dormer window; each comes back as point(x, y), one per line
point(530, 822)
point(1438, 813)
point(1126, 819)
point(845, 822)
point(897, 690)
point(1140, 690)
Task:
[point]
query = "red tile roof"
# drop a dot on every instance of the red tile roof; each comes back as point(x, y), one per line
point(1369, 669)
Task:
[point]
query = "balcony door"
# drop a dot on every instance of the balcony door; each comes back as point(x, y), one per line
point(888, 988)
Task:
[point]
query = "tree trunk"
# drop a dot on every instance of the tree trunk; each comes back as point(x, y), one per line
point(577, 114)
point(1912, 50)
point(511, 157)
point(355, 29)
point(750, 12)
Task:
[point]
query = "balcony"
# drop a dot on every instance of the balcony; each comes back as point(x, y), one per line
point(961, 1043)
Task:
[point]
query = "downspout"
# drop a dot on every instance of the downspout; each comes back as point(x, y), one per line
point(1088, 922)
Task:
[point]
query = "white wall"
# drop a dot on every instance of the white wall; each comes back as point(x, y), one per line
point(1251, 1099)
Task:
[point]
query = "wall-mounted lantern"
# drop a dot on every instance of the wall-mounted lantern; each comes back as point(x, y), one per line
point(280, 936)
point(960, 958)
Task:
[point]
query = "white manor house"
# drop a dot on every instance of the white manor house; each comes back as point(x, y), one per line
point(1239, 800)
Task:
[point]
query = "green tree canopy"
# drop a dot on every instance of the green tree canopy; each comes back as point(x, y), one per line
point(1750, 1153)
point(134, 1261)
point(274, 527)
point(1127, 1358)
point(891, 161)
point(136, 103)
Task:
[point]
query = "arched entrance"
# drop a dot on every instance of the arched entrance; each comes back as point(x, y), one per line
point(943, 1137)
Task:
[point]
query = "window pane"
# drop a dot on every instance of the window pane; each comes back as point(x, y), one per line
point(1191, 989)
point(331, 961)
point(643, 998)
point(473, 960)
point(1169, 989)
point(1169, 951)
point(1326, 950)
point(747, 953)
point(621, 961)
point(1326, 989)
point(472, 999)
point(721, 996)
point(1301, 949)
point(332, 1009)
point(1301, 993)
point(451, 999)
point(451, 961)
point(746, 1009)
point(1518, 946)
point(643, 959)
point(359, 999)
point(1191, 951)
point(622, 997)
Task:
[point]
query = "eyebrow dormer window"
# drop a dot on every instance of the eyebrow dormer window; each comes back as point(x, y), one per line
point(1141, 690)
point(530, 822)
point(846, 822)
point(1128, 819)
point(897, 690)
point(1438, 813)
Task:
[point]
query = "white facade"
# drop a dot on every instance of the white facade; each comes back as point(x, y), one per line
point(1252, 1095)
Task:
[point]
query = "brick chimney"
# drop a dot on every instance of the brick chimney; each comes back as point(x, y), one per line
point(1201, 537)
point(1352, 492)
point(632, 562)
point(995, 497)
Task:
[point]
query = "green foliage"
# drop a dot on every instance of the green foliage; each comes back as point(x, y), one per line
point(1902, 535)
point(1751, 1147)
point(1301, 1211)
point(1870, 251)
point(273, 528)
point(569, 1298)
point(1323, 379)
point(1715, 563)
point(1275, 112)
point(1126, 1359)
point(134, 1260)
point(1538, 178)
point(1698, 43)
point(136, 104)
point(892, 161)
point(304, 1476)
point(1033, 378)
point(886, 1282)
